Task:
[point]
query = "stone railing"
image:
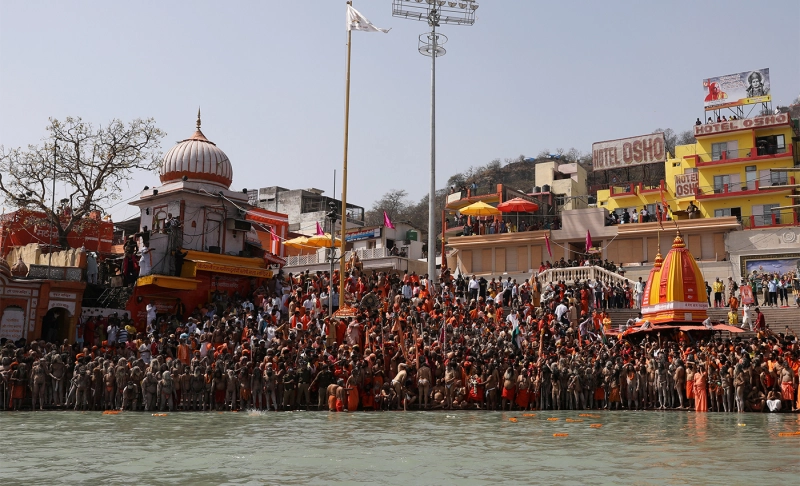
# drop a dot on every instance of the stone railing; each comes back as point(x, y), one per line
point(319, 257)
point(574, 274)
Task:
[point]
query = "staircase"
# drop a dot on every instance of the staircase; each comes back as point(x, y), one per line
point(777, 318)
point(570, 275)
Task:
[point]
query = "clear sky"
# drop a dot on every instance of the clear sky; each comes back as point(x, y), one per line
point(269, 76)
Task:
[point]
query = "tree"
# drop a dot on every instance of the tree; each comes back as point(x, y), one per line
point(670, 139)
point(90, 164)
point(686, 138)
point(395, 203)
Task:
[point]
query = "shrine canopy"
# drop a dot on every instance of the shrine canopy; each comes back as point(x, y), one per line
point(675, 290)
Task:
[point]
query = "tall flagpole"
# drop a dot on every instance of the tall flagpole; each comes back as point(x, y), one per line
point(344, 170)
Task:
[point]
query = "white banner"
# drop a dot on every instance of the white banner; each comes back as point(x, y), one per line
point(627, 152)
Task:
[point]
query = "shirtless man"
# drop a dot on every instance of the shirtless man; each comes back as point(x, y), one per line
point(786, 380)
point(185, 380)
point(130, 396)
point(97, 388)
point(690, 385)
point(83, 387)
point(121, 375)
point(270, 385)
point(509, 388)
point(38, 374)
point(632, 383)
point(340, 392)
point(245, 392)
point(323, 381)
point(523, 383)
point(58, 372)
point(218, 386)
point(166, 392)
point(330, 396)
point(576, 391)
point(492, 380)
point(555, 386)
point(439, 394)
point(399, 381)
point(149, 390)
point(257, 387)
point(679, 379)
point(424, 380)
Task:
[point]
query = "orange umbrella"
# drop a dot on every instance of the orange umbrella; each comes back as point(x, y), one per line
point(518, 205)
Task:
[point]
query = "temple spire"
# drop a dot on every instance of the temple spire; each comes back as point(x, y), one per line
point(198, 118)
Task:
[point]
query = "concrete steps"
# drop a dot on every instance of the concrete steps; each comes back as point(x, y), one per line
point(778, 318)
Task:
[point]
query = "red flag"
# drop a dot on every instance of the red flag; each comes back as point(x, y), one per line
point(588, 241)
point(274, 236)
point(319, 230)
point(386, 221)
point(547, 244)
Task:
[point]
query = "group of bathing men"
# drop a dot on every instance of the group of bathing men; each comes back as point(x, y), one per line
point(428, 352)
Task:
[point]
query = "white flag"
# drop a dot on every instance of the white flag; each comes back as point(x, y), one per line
point(356, 21)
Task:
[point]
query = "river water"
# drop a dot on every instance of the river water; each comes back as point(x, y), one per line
point(411, 448)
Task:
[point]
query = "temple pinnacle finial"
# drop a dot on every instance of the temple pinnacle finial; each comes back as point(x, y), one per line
point(198, 118)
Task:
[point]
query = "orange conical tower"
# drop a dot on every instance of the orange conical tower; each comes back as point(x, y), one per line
point(675, 290)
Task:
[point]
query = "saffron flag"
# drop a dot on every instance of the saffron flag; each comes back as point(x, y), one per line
point(588, 241)
point(386, 221)
point(547, 244)
point(319, 230)
point(664, 210)
point(356, 21)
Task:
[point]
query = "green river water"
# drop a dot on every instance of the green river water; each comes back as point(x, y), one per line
point(411, 448)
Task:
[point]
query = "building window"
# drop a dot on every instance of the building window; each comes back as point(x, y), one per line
point(751, 176)
point(722, 183)
point(718, 149)
point(763, 215)
point(721, 213)
point(690, 170)
point(778, 178)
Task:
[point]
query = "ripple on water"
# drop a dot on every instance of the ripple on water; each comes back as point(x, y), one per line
point(392, 448)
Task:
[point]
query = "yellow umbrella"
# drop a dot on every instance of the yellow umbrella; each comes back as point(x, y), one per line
point(480, 208)
point(300, 242)
point(323, 241)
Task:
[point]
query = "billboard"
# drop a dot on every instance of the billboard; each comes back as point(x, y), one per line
point(627, 152)
point(686, 185)
point(737, 89)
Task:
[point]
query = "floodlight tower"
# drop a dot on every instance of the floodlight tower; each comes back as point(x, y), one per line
point(435, 12)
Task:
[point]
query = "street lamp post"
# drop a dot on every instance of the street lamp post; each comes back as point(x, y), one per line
point(332, 256)
point(435, 13)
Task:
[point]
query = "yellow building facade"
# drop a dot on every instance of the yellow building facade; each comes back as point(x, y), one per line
point(725, 173)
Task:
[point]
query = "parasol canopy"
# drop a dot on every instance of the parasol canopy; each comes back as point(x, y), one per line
point(517, 205)
point(480, 209)
point(300, 242)
point(322, 241)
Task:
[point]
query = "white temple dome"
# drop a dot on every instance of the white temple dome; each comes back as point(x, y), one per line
point(198, 159)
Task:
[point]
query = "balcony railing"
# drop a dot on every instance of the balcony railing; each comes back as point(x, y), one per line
point(774, 218)
point(319, 257)
point(743, 154)
point(582, 274)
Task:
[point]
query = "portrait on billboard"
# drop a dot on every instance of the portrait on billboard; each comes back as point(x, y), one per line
point(715, 93)
point(745, 88)
point(755, 85)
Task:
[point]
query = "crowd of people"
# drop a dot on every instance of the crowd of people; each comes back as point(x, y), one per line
point(498, 345)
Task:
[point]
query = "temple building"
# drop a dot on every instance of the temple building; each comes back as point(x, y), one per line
point(675, 290)
point(197, 237)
